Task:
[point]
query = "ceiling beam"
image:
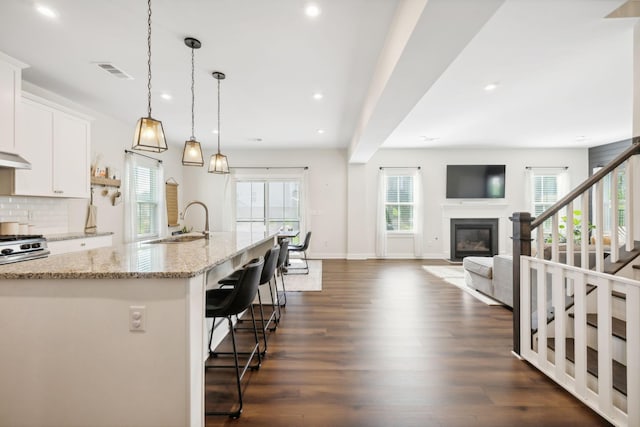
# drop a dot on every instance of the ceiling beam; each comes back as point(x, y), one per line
point(424, 38)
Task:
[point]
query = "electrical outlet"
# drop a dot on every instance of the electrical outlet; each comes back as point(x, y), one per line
point(137, 318)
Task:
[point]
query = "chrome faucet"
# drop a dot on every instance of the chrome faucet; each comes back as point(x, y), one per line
point(206, 216)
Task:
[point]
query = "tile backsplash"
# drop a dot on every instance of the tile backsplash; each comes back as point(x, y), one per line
point(47, 215)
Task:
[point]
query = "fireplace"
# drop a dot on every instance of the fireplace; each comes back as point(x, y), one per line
point(473, 237)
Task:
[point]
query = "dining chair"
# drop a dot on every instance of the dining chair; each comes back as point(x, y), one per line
point(303, 250)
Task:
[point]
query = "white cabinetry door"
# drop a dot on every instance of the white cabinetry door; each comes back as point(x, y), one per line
point(58, 146)
point(70, 156)
point(36, 124)
point(76, 245)
point(9, 88)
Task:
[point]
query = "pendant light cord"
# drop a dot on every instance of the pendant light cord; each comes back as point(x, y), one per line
point(218, 116)
point(149, 58)
point(193, 96)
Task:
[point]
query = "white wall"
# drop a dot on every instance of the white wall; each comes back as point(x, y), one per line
point(327, 207)
point(433, 163)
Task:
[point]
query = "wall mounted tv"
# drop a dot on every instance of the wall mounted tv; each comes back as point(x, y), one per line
point(475, 181)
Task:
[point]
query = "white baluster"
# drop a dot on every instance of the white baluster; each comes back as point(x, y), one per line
point(542, 315)
point(605, 351)
point(584, 244)
point(580, 343)
point(629, 194)
point(633, 350)
point(599, 223)
point(555, 237)
point(569, 231)
point(614, 216)
point(558, 304)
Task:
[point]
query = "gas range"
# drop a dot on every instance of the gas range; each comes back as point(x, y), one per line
point(14, 248)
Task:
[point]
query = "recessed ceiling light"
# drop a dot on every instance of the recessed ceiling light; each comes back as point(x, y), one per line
point(581, 138)
point(318, 95)
point(166, 96)
point(215, 131)
point(320, 131)
point(490, 87)
point(312, 10)
point(46, 11)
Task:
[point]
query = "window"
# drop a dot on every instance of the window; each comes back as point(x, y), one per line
point(267, 206)
point(547, 187)
point(607, 208)
point(399, 203)
point(145, 213)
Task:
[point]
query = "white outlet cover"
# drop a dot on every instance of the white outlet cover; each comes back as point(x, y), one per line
point(137, 318)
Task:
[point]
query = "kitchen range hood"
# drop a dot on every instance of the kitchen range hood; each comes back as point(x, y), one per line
point(9, 160)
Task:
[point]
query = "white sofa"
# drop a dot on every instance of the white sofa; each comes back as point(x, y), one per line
point(493, 276)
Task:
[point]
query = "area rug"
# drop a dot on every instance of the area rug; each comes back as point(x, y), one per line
point(304, 282)
point(454, 275)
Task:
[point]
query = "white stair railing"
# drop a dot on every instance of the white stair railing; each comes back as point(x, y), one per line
point(599, 394)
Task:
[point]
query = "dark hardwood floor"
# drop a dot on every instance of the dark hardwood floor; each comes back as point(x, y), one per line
point(387, 344)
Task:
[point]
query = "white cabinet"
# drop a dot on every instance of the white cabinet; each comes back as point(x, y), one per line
point(71, 168)
point(57, 143)
point(10, 83)
point(75, 245)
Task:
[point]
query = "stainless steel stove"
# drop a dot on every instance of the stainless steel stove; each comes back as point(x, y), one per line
point(16, 248)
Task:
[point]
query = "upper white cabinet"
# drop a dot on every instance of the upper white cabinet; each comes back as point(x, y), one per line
point(56, 142)
point(71, 161)
point(10, 83)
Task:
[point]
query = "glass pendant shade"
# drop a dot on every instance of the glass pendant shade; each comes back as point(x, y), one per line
point(192, 154)
point(218, 164)
point(149, 136)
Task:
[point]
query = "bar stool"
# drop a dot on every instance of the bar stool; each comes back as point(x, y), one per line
point(282, 261)
point(268, 273)
point(227, 302)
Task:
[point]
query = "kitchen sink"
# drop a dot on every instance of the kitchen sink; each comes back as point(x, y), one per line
point(179, 239)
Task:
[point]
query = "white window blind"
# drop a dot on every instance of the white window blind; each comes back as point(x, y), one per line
point(144, 195)
point(399, 203)
point(546, 187)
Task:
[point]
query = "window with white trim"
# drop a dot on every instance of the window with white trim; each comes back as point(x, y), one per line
point(399, 203)
point(547, 186)
point(266, 206)
point(144, 182)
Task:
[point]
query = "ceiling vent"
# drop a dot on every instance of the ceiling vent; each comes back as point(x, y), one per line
point(114, 71)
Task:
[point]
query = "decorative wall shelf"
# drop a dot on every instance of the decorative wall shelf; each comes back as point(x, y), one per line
point(105, 182)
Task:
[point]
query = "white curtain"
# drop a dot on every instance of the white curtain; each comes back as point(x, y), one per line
point(163, 222)
point(228, 205)
point(418, 216)
point(381, 220)
point(305, 223)
point(129, 198)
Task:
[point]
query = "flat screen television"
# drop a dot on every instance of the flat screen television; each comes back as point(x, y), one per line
point(475, 181)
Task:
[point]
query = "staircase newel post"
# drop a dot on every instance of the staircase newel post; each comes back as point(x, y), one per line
point(521, 246)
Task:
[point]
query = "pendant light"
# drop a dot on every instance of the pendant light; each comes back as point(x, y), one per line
point(218, 162)
point(149, 135)
point(192, 153)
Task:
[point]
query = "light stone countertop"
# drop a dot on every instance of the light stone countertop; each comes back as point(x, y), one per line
point(137, 260)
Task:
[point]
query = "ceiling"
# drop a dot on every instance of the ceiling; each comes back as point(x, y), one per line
point(393, 73)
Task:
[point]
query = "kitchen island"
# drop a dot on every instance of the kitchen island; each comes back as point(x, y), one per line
point(74, 351)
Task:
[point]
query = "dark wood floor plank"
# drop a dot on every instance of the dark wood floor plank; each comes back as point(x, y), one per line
point(387, 344)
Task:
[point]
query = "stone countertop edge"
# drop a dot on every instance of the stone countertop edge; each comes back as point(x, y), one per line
point(75, 235)
point(76, 266)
